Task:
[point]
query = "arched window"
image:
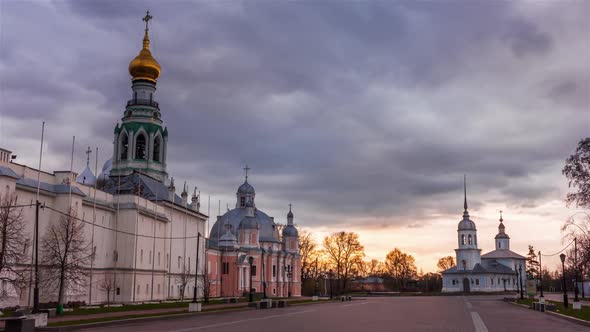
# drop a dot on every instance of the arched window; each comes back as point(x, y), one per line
point(470, 239)
point(157, 147)
point(475, 239)
point(463, 239)
point(464, 264)
point(140, 147)
point(124, 146)
point(499, 245)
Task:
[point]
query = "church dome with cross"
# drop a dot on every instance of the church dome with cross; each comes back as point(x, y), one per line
point(144, 66)
point(245, 215)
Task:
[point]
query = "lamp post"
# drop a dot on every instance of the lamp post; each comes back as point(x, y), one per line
point(289, 274)
point(250, 260)
point(263, 278)
point(562, 257)
point(520, 280)
point(331, 286)
point(542, 300)
point(196, 269)
point(575, 271)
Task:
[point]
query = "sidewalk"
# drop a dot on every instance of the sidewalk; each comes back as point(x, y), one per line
point(165, 311)
point(209, 307)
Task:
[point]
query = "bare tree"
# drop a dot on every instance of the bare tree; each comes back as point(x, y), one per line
point(13, 243)
point(577, 171)
point(66, 254)
point(182, 279)
point(108, 284)
point(373, 268)
point(206, 286)
point(307, 248)
point(342, 250)
point(445, 263)
point(400, 267)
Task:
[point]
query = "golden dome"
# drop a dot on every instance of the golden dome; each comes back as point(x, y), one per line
point(144, 66)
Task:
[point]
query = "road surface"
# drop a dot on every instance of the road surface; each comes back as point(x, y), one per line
point(424, 313)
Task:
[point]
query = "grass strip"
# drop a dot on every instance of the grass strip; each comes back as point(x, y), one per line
point(583, 313)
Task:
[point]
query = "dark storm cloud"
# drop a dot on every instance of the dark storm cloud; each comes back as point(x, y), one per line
point(347, 109)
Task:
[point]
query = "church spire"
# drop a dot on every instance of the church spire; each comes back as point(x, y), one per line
point(465, 213)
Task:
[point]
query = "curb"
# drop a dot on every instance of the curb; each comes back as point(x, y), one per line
point(156, 317)
point(558, 315)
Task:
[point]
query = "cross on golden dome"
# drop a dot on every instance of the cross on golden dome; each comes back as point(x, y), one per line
point(146, 19)
point(144, 66)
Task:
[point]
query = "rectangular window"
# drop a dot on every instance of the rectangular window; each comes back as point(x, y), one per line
point(492, 280)
point(477, 281)
point(158, 260)
point(141, 257)
point(253, 271)
point(274, 271)
point(179, 260)
point(150, 258)
point(225, 268)
point(209, 266)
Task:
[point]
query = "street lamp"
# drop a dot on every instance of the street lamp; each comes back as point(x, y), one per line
point(541, 278)
point(575, 271)
point(331, 286)
point(289, 274)
point(263, 278)
point(520, 280)
point(562, 257)
point(250, 260)
point(196, 269)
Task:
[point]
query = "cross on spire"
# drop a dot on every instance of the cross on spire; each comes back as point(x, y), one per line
point(289, 207)
point(246, 169)
point(146, 19)
point(88, 152)
point(501, 219)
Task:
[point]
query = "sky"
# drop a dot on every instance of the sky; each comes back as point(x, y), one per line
point(365, 115)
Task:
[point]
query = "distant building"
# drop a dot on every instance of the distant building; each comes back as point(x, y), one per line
point(369, 284)
point(495, 271)
point(245, 232)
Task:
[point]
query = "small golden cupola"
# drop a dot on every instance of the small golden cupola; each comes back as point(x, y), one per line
point(144, 66)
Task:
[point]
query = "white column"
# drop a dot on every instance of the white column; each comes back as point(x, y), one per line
point(130, 146)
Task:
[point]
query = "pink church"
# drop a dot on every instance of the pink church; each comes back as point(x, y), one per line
point(246, 234)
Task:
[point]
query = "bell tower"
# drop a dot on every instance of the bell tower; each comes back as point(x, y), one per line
point(468, 254)
point(141, 140)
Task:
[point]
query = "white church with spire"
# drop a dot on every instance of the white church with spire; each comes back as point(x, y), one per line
point(495, 271)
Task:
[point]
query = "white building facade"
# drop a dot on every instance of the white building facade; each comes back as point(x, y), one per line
point(496, 271)
point(143, 235)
